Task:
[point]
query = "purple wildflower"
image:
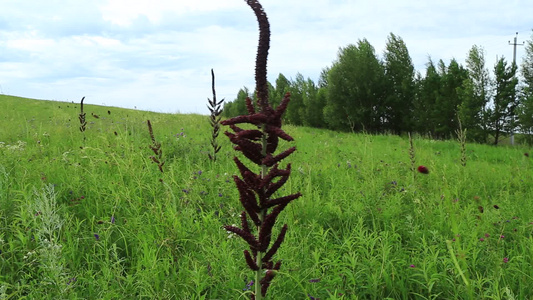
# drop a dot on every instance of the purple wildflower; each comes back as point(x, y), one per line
point(248, 286)
point(97, 237)
point(412, 266)
point(71, 280)
point(314, 280)
point(112, 219)
point(505, 260)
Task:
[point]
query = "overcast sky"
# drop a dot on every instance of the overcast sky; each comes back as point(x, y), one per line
point(157, 54)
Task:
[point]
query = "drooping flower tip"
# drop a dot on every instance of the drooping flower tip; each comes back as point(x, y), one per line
point(423, 169)
point(526, 154)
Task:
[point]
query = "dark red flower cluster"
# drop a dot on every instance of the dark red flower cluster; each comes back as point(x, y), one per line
point(257, 190)
point(423, 170)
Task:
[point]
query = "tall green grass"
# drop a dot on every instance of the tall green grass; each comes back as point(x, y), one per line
point(92, 220)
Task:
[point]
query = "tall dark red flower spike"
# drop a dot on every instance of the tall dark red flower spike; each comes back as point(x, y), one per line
point(257, 190)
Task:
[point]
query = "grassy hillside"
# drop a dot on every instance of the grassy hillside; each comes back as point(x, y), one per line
point(88, 215)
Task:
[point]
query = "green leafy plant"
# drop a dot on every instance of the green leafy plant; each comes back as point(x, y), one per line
point(215, 109)
point(461, 137)
point(81, 117)
point(257, 190)
point(156, 148)
point(412, 153)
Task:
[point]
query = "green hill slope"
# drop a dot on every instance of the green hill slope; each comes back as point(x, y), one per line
point(88, 215)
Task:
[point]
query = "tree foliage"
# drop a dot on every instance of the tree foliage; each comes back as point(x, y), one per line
point(356, 90)
point(525, 108)
point(238, 106)
point(427, 91)
point(503, 113)
point(475, 94)
point(400, 85)
point(361, 92)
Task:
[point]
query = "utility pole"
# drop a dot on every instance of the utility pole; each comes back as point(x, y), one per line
point(514, 44)
point(514, 64)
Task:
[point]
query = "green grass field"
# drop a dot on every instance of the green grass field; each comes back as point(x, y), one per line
point(90, 216)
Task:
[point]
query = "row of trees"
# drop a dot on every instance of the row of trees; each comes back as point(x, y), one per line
point(361, 92)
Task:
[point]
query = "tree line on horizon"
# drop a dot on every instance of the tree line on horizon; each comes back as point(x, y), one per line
point(361, 92)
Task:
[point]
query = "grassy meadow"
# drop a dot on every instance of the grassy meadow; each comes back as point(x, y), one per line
point(89, 215)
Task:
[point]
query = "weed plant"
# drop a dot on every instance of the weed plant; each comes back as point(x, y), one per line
point(215, 107)
point(156, 148)
point(461, 138)
point(258, 190)
point(366, 228)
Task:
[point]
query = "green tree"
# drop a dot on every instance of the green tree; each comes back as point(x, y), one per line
point(323, 78)
point(448, 100)
point(282, 87)
point(313, 104)
point(427, 92)
point(399, 73)
point(238, 106)
point(475, 95)
point(295, 113)
point(505, 101)
point(355, 94)
point(525, 109)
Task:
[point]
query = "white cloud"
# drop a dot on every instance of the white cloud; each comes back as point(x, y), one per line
point(158, 54)
point(124, 12)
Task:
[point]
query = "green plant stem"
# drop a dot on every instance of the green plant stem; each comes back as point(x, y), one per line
point(264, 170)
point(259, 262)
point(455, 262)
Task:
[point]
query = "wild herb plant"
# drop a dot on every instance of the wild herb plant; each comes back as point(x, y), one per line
point(83, 122)
point(256, 190)
point(216, 110)
point(461, 137)
point(48, 224)
point(156, 148)
point(412, 153)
